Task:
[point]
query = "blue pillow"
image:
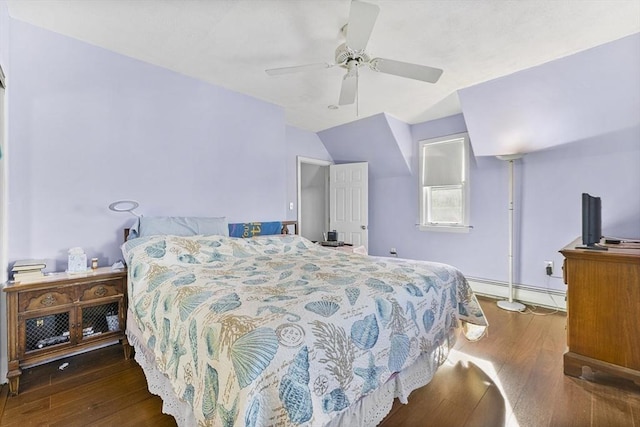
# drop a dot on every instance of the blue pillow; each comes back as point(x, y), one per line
point(250, 229)
point(181, 226)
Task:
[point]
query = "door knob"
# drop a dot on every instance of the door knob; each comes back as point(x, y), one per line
point(364, 227)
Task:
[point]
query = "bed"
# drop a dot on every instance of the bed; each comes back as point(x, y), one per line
point(274, 330)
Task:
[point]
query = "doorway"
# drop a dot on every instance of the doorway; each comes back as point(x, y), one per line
point(333, 197)
point(313, 198)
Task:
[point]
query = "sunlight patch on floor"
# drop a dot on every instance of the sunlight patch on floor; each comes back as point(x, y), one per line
point(456, 357)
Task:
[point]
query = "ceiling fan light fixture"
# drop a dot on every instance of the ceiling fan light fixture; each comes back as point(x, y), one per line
point(351, 65)
point(344, 54)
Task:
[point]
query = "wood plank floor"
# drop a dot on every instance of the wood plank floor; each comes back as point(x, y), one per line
point(512, 377)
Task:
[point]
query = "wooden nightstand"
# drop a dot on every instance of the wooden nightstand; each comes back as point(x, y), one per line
point(64, 314)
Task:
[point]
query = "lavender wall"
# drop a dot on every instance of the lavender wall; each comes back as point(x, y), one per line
point(552, 182)
point(300, 143)
point(547, 206)
point(89, 127)
point(371, 139)
point(402, 134)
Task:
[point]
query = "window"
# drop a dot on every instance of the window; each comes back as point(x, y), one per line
point(444, 183)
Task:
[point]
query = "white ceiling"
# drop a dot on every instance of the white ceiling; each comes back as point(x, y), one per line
point(231, 42)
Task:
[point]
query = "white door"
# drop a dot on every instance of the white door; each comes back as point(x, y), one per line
point(349, 202)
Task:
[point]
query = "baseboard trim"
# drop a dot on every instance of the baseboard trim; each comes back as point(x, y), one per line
point(525, 294)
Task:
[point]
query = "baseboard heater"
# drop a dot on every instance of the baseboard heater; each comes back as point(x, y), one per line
point(549, 298)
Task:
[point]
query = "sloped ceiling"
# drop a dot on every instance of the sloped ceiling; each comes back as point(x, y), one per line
point(595, 92)
point(231, 42)
point(369, 140)
point(572, 99)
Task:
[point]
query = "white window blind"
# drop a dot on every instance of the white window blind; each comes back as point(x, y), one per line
point(444, 184)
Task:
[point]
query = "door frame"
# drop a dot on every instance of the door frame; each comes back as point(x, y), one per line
point(4, 227)
point(4, 175)
point(300, 160)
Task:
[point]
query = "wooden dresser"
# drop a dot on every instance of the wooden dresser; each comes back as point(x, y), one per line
point(603, 310)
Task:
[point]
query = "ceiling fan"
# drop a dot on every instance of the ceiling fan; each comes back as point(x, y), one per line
point(352, 55)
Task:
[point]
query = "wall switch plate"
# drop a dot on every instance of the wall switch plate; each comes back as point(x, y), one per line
point(291, 206)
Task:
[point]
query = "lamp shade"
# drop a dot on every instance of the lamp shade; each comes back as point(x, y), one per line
point(125, 206)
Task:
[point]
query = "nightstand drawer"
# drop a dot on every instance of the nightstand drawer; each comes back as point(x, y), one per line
point(107, 288)
point(44, 298)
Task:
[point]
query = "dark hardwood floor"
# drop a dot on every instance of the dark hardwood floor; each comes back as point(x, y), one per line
point(512, 377)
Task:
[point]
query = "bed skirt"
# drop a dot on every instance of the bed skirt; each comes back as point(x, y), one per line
point(368, 411)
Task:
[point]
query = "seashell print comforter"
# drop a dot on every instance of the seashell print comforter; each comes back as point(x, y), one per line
point(280, 331)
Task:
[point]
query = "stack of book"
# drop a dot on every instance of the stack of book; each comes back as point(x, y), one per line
point(29, 270)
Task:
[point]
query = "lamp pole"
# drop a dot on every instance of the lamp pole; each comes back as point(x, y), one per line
point(510, 304)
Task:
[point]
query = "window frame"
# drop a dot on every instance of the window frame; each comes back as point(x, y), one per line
point(425, 211)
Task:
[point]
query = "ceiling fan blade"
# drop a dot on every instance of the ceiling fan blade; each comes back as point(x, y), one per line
point(349, 89)
point(405, 69)
point(362, 18)
point(297, 68)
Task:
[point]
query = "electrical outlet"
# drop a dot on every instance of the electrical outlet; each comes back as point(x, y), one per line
point(393, 252)
point(548, 265)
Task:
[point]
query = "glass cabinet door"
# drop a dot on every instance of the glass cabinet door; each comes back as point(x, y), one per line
point(45, 331)
point(100, 318)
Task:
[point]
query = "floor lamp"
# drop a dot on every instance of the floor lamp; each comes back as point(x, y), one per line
point(510, 304)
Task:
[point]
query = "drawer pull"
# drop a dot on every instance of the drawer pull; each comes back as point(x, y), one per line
point(101, 291)
point(48, 300)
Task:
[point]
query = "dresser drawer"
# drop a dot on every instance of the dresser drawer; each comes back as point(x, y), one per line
point(44, 298)
point(107, 288)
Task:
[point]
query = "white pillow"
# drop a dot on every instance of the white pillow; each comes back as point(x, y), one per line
point(183, 226)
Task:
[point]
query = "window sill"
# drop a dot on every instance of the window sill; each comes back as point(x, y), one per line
point(445, 228)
